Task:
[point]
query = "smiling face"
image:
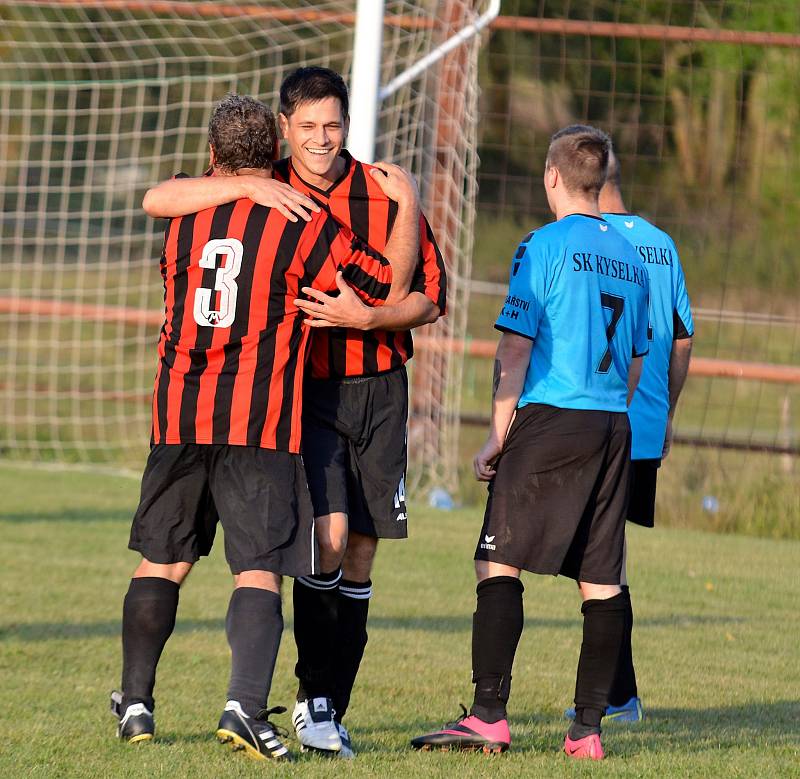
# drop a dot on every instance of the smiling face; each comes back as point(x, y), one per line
point(316, 132)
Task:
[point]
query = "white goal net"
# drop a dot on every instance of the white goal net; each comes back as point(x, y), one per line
point(99, 100)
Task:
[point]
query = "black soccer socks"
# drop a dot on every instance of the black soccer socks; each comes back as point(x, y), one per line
point(148, 618)
point(316, 610)
point(496, 628)
point(624, 687)
point(351, 639)
point(603, 632)
point(254, 625)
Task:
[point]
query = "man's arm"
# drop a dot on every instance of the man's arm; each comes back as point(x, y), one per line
point(402, 249)
point(510, 366)
point(402, 252)
point(347, 310)
point(634, 374)
point(181, 196)
point(678, 370)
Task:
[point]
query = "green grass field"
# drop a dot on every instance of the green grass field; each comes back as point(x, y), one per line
point(716, 645)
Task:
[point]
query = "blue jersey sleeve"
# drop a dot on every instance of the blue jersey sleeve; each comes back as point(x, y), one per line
point(524, 303)
point(682, 323)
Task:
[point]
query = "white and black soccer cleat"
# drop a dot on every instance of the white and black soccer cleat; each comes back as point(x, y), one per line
point(257, 736)
point(316, 730)
point(136, 722)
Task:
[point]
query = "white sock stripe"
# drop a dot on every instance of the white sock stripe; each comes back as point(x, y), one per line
point(357, 593)
point(320, 584)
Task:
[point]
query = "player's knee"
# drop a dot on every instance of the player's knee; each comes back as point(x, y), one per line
point(260, 580)
point(175, 572)
point(359, 557)
point(332, 539)
point(486, 569)
point(591, 591)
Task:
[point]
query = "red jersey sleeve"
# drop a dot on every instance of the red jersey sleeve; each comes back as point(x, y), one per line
point(364, 269)
point(430, 276)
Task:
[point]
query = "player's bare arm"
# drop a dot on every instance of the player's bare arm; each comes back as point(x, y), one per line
point(178, 197)
point(634, 374)
point(399, 185)
point(348, 310)
point(510, 366)
point(678, 370)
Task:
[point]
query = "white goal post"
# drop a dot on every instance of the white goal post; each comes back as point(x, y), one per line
point(102, 98)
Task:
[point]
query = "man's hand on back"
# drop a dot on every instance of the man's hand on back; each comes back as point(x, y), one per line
point(396, 183)
point(275, 194)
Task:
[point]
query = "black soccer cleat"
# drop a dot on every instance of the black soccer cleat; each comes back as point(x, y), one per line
point(468, 734)
point(257, 736)
point(136, 723)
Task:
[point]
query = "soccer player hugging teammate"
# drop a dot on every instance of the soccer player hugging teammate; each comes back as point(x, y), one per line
point(356, 399)
point(653, 405)
point(557, 458)
point(227, 411)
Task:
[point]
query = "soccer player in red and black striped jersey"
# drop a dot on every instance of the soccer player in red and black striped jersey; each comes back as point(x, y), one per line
point(227, 411)
point(356, 400)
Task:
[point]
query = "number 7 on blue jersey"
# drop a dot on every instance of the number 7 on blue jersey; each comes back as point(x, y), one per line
point(616, 305)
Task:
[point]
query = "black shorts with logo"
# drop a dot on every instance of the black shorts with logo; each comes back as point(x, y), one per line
point(642, 503)
point(354, 449)
point(260, 496)
point(558, 499)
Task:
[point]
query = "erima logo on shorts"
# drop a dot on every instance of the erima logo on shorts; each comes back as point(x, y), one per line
point(487, 543)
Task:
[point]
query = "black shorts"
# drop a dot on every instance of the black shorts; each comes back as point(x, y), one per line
point(260, 496)
point(642, 502)
point(354, 448)
point(557, 501)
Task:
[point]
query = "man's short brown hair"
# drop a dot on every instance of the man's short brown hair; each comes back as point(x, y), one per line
point(580, 153)
point(243, 133)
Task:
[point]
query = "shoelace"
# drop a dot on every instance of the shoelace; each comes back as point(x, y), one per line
point(464, 715)
point(264, 716)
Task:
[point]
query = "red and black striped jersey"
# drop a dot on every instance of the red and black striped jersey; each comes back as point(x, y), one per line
point(232, 348)
point(357, 202)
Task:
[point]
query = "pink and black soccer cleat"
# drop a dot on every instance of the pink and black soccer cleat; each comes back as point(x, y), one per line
point(467, 734)
point(588, 747)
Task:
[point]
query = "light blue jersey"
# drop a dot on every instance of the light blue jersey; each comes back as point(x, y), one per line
point(670, 319)
point(579, 290)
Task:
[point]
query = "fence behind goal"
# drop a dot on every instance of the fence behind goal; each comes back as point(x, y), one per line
point(701, 99)
point(100, 100)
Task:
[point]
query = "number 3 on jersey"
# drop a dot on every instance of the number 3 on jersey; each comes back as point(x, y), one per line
point(225, 284)
point(616, 304)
